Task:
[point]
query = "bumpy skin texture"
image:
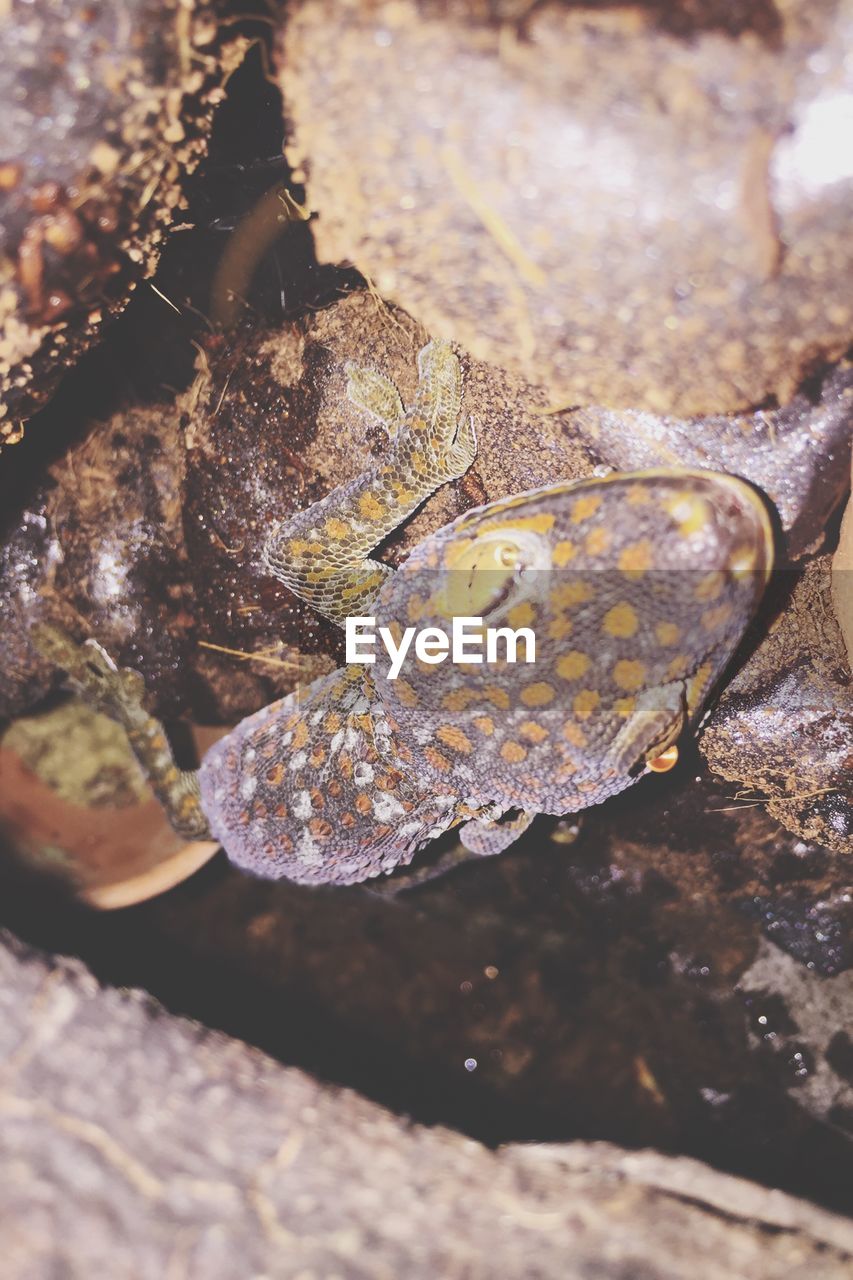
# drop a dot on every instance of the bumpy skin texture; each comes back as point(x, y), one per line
point(322, 553)
point(638, 588)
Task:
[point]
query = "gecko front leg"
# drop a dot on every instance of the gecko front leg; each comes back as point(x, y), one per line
point(322, 553)
point(118, 692)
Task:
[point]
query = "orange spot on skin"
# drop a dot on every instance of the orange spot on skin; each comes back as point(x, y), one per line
point(405, 693)
point(275, 774)
point(458, 699)
point(667, 633)
point(636, 558)
point(332, 722)
point(415, 609)
point(316, 758)
point(532, 731)
point(437, 760)
point(709, 587)
point(743, 563)
point(678, 666)
point(598, 541)
point(454, 738)
point(690, 512)
point(370, 507)
point(337, 529)
point(498, 697)
point(320, 828)
point(513, 752)
point(621, 621)
point(564, 552)
point(574, 734)
point(560, 627)
point(280, 811)
point(625, 707)
point(698, 685)
point(714, 619)
point(571, 666)
point(538, 694)
point(348, 819)
point(317, 798)
point(300, 736)
point(585, 506)
point(542, 522)
point(485, 724)
point(521, 615)
point(362, 803)
point(629, 674)
point(565, 594)
point(585, 703)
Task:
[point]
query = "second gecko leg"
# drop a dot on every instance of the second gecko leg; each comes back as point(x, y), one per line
point(323, 553)
point(118, 692)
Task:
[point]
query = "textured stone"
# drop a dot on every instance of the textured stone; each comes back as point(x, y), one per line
point(105, 108)
point(783, 726)
point(137, 1144)
point(643, 207)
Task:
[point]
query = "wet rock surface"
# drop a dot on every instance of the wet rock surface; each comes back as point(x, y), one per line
point(703, 261)
point(205, 1154)
point(784, 723)
point(105, 108)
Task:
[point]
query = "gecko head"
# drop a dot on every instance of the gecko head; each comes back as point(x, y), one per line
point(637, 587)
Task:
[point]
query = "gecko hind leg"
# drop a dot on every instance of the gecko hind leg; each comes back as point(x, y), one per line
point(119, 693)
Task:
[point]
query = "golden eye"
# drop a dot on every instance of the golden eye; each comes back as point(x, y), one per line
point(482, 572)
point(665, 761)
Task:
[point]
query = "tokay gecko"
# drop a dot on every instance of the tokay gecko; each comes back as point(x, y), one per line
point(637, 587)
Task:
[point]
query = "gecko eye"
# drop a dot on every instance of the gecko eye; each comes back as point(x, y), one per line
point(665, 761)
point(482, 574)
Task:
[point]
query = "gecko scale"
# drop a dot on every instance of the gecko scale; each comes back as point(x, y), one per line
point(638, 586)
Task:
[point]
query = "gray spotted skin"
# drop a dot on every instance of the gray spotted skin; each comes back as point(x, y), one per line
point(352, 779)
point(310, 788)
point(637, 588)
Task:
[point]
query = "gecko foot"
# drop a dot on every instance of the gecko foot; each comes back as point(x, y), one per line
point(91, 672)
